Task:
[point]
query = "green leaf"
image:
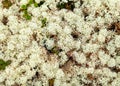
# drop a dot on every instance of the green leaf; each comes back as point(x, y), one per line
point(27, 16)
point(25, 12)
point(31, 2)
point(35, 4)
point(44, 22)
point(3, 64)
point(24, 7)
point(61, 5)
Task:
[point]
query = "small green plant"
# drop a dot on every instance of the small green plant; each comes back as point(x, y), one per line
point(44, 22)
point(36, 4)
point(61, 5)
point(3, 64)
point(31, 2)
point(24, 8)
point(6, 3)
point(26, 15)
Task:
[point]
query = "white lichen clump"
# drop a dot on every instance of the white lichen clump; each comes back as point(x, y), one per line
point(59, 42)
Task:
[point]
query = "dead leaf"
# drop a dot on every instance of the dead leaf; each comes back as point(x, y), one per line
point(117, 27)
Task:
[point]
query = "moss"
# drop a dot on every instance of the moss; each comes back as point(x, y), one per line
point(3, 64)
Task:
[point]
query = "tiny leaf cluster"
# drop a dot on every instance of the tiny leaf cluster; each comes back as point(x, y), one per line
point(24, 8)
point(3, 64)
point(44, 22)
